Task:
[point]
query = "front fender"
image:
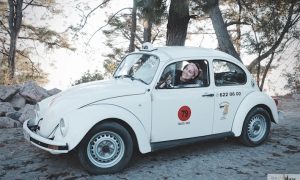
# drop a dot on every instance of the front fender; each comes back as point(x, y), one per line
point(80, 121)
point(251, 100)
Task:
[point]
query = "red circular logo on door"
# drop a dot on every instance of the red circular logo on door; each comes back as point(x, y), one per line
point(184, 113)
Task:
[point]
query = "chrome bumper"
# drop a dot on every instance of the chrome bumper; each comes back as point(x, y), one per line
point(54, 147)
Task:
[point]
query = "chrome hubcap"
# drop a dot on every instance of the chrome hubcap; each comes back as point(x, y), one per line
point(257, 127)
point(105, 149)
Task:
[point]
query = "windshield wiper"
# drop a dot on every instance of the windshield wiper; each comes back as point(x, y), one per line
point(131, 77)
point(139, 79)
point(123, 76)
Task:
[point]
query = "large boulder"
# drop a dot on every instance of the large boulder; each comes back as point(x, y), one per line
point(14, 115)
point(6, 107)
point(6, 122)
point(18, 101)
point(6, 92)
point(53, 91)
point(32, 92)
point(28, 112)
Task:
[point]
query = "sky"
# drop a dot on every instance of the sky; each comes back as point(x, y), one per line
point(65, 66)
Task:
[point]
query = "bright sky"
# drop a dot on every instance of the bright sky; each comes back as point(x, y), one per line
point(65, 66)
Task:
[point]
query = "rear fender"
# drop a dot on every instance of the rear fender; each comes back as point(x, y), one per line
point(252, 100)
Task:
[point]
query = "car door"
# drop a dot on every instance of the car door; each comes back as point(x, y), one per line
point(182, 112)
point(231, 87)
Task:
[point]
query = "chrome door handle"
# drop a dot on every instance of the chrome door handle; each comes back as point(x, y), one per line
point(208, 95)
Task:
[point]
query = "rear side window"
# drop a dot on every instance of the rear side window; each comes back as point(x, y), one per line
point(228, 74)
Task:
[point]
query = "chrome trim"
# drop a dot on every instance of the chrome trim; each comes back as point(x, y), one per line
point(52, 146)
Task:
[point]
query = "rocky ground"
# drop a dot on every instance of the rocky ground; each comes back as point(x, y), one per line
point(221, 159)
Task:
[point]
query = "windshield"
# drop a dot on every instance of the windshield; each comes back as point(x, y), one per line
point(140, 67)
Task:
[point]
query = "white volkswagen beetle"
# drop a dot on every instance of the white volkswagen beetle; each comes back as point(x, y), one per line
point(145, 106)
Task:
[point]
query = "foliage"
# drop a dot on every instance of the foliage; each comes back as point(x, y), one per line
point(19, 39)
point(118, 32)
point(88, 76)
point(25, 71)
point(293, 77)
point(152, 9)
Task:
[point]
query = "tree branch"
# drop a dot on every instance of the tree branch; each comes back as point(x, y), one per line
point(227, 24)
point(138, 38)
point(32, 63)
point(27, 4)
point(46, 42)
point(4, 27)
point(33, 4)
point(279, 40)
point(110, 19)
point(155, 36)
point(4, 53)
point(86, 17)
point(266, 71)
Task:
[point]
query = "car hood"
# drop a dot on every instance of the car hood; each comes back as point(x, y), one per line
point(54, 108)
point(87, 93)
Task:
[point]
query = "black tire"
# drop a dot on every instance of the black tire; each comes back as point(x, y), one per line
point(256, 127)
point(113, 145)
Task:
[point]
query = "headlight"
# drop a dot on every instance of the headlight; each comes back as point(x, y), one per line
point(63, 127)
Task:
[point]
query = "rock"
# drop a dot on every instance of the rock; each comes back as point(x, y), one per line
point(53, 91)
point(27, 113)
point(18, 101)
point(6, 107)
point(14, 115)
point(6, 122)
point(6, 92)
point(32, 92)
point(2, 172)
point(296, 96)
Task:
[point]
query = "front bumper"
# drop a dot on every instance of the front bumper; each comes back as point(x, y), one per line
point(54, 147)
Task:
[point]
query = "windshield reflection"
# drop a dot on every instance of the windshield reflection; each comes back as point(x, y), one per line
point(141, 67)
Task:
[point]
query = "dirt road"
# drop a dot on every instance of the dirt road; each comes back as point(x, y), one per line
point(221, 159)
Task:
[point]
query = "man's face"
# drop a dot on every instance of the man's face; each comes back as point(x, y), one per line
point(189, 72)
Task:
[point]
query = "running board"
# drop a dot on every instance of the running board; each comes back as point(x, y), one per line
point(169, 144)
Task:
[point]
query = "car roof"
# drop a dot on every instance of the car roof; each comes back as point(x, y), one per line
point(178, 52)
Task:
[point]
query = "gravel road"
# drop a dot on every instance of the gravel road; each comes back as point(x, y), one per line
point(220, 159)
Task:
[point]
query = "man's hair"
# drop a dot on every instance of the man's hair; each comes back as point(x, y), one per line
point(196, 65)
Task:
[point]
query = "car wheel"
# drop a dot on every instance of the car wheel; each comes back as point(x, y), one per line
point(256, 127)
point(106, 149)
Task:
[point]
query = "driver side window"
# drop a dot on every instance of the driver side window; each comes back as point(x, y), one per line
point(185, 74)
point(228, 74)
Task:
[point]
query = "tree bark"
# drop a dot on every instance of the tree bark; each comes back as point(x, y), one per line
point(266, 72)
point(224, 40)
point(147, 30)
point(15, 22)
point(177, 22)
point(133, 27)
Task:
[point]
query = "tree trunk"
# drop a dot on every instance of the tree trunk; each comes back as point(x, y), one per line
point(15, 22)
point(258, 74)
point(177, 22)
point(224, 40)
point(12, 56)
point(238, 30)
point(266, 72)
point(133, 27)
point(147, 30)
